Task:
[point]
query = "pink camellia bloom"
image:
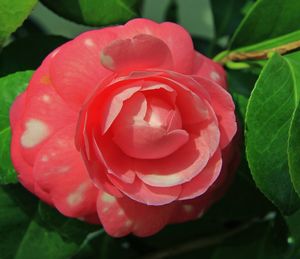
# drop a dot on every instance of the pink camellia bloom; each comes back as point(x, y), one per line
point(128, 127)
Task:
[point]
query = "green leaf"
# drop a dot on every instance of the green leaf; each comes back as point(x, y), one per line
point(12, 15)
point(24, 233)
point(268, 119)
point(270, 19)
point(10, 87)
point(294, 149)
point(95, 13)
point(18, 57)
point(227, 15)
point(294, 134)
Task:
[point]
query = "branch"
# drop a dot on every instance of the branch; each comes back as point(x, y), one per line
point(261, 54)
point(196, 244)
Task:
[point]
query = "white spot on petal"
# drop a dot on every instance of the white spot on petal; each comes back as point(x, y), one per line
point(128, 223)
point(188, 208)
point(36, 131)
point(215, 76)
point(44, 158)
point(105, 209)
point(108, 198)
point(77, 196)
point(120, 212)
point(89, 42)
point(46, 98)
point(63, 169)
point(107, 61)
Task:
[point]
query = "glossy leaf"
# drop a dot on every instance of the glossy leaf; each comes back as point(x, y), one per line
point(95, 13)
point(10, 87)
point(294, 149)
point(25, 233)
point(270, 18)
point(268, 119)
point(12, 15)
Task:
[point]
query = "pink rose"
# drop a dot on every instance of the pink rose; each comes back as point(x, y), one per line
point(128, 126)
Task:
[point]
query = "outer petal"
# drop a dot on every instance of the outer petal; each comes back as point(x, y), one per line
point(223, 106)
point(142, 51)
point(60, 171)
point(76, 70)
point(209, 69)
point(44, 113)
point(177, 39)
point(23, 168)
point(121, 216)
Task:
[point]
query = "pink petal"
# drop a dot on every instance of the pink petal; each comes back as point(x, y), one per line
point(146, 194)
point(121, 216)
point(114, 105)
point(60, 171)
point(199, 184)
point(43, 114)
point(76, 70)
point(223, 106)
point(209, 69)
point(141, 52)
point(176, 37)
point(190, 161)
point(146, 142)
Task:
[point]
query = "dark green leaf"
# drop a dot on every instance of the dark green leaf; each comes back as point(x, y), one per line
point(18, 57)
point(24, 233)
point(10, 87)
point(95, 13)
point(227, 15)
point(267, 19)
point(268, 119)
point(12, 15)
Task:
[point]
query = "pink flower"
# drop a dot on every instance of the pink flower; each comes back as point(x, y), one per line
point(128, 126)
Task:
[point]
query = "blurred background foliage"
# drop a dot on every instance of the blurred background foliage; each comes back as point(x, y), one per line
point(244, 224)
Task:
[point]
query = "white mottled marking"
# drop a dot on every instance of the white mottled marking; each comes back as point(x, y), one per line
point(188, 208)
point(76, 197)
point(89, 42)
point(107, 198)
point(128, 223)
point(46, 98)
point(63, 169)
point(44, 158)
point(36, 131)
point(105, 209)
point(215, 76)
point(120, 212)
point(107, 60)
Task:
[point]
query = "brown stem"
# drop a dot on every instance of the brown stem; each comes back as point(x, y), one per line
point(261, 54)
point(196, 244)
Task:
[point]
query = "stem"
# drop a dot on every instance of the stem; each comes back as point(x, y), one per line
point(196, 244)
point(257, 55)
